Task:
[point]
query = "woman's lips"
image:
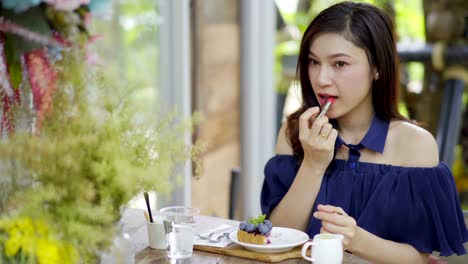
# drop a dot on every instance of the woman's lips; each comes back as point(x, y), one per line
point(324, 98)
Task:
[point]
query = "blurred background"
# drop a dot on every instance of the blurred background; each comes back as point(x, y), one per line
point(234, 63)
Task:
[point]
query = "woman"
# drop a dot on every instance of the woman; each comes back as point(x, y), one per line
point(363, 170)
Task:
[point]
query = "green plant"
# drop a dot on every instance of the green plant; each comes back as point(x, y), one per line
point(91, 156)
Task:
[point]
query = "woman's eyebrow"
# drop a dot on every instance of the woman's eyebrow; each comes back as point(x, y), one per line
point(332, 56)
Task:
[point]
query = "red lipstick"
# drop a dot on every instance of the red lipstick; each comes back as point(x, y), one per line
point(323, 97)
point(326, 107)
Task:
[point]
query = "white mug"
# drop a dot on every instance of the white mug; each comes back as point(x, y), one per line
point(325, 249)
point(156, 235)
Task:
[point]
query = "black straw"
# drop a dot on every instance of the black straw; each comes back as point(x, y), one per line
point(148, 206)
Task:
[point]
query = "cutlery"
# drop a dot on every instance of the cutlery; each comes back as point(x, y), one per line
point(219, 229)
point(206, 235)
point(216, 238)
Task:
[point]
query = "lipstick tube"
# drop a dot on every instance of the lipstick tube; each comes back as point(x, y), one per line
point(325, 108)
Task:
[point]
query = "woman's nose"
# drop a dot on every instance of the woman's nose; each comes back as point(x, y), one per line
point(324, 76)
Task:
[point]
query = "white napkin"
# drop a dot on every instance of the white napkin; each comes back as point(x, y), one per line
point(220, 229)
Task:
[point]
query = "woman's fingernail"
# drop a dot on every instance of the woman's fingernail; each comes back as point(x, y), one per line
point(315, 214)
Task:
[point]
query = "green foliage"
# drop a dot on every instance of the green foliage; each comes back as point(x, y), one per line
point(14, 64)
point(300, 19)
point(131, 44)
point(285, 48)
point(409, 16)
point(415, 70)
point(258, 220)
point(403, 110)
point(93, 154)
point(33, 19)
point(130, 8)
point(409, 19)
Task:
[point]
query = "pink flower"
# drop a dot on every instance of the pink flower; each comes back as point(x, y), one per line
point(66, 5)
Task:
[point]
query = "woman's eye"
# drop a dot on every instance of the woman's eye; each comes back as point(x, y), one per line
point(312, 61)
point(340, 64)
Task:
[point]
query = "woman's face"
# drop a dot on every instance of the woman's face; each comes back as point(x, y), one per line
point(339, 69)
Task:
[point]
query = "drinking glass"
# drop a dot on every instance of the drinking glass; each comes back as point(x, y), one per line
point(179, 228)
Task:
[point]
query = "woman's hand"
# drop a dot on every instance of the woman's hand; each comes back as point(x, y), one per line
point(336, 221)
point(317, 138)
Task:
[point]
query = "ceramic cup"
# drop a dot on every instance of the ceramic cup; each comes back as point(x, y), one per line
point(156, 234)
point(325, 249)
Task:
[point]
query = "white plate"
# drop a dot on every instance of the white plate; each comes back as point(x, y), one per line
point(281, 239)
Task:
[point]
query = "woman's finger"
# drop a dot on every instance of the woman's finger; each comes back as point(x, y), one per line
point(323, 231)
point(317, 125)
point(339, 210)
point(325, 131)
point(304, 119)
point(335, 218)
point(331, 209)
point(332, 136)
point(335, 229)
point(324, 223)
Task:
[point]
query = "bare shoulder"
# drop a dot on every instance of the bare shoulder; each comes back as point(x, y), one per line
point(283, 147)
point(412, 146)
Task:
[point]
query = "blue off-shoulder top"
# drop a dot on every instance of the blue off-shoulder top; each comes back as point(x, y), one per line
point(412, 205)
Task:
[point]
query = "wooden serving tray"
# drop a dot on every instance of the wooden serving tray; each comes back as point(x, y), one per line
point(239, 251)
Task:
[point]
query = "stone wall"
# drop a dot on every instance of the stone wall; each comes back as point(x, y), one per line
point(216, 86)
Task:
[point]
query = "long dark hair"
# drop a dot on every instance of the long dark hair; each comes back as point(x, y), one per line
point(367, 27)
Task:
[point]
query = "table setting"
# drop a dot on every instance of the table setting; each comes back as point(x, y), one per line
point(195, 238)
point(225, 251)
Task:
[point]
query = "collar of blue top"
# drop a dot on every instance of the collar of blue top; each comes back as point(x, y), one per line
point(374, 139)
